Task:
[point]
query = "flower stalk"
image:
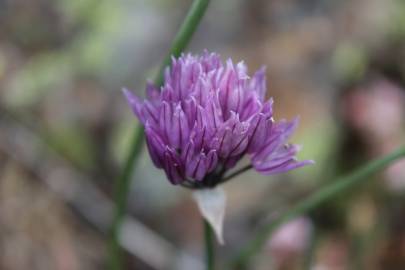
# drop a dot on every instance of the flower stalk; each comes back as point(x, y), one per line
point(312, 202)
point(123, 182)
point(234, 174)
point(184, 34)
point(209, 246)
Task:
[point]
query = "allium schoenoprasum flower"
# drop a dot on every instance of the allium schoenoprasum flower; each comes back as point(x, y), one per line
point(207, 116)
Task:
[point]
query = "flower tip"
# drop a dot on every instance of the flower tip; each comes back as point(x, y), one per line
point(134, 102)
point(125, 91)
point(306, 162)
point(229, 63)
point(262, 69)
point(173, 59)
point(295, 122)
point(128, 95)
point(298, 147)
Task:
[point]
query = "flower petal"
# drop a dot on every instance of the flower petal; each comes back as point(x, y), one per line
point(173, 167)
point(155, 145)
point(260, 127)
point(211, 203)
point(135, 103)
point(258, 83)
point(152, 91)
point(279, 134)
point(285, 167)
point(211, 161)
point(196, 168)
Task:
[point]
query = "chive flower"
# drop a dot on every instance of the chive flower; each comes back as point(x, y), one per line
point(207, 116)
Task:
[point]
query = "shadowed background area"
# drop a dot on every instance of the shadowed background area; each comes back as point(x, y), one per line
point(65, 129)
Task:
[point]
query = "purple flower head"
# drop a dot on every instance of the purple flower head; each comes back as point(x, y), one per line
point(207, 116)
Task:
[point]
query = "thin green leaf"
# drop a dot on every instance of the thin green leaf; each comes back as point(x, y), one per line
point(312, 202)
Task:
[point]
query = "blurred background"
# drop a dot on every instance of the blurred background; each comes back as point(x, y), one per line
point(65, 130)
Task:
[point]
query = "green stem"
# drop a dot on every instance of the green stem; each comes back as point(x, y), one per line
point(121, 193)
point(326, 193)
point(238, 172)
point(179, 43)
point(184, 34)
point(209, 246)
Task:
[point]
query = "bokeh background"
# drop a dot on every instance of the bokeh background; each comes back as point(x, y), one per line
point(65, 130)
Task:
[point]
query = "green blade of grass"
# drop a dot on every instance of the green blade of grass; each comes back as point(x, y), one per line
point(312, 202)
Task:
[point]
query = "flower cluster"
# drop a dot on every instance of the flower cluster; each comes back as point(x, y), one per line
point(207, 116)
